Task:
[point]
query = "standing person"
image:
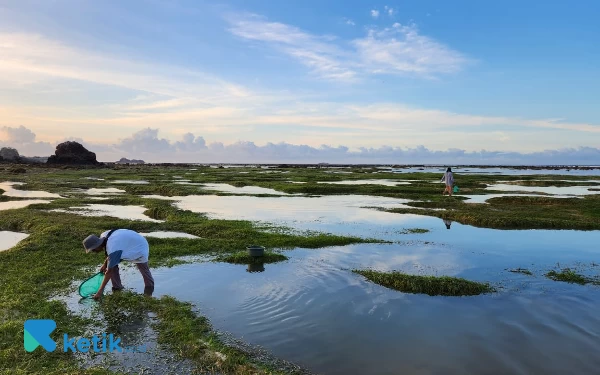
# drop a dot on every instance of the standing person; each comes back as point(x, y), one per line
point(121, 244)
point(449, 180)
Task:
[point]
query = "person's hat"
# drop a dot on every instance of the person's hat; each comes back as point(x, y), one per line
point(92, 242)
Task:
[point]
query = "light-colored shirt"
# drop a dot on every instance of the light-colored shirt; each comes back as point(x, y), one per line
point(448, 178)
point(133, 246)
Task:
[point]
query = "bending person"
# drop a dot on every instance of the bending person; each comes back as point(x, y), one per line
point(121, 244)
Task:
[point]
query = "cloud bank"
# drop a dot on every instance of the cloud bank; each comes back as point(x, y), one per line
point(148, 145)
point(24, 140)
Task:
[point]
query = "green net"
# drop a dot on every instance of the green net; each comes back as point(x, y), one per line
point(91, 286)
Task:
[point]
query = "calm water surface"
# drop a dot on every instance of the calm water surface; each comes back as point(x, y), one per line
point(313, 311)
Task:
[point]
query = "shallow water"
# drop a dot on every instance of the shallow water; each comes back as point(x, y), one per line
point(554, 190)
point(485, 197)
point(10, 239)
point(245, 190)
point(121, 212)
point(132, 182)
point(344, 215)
point(165, 234)
point(179, 182)
point(367, 182)
point(10, 191)
point(20, 204)
point(503, 171)
point(104, 191)
point(313, 311)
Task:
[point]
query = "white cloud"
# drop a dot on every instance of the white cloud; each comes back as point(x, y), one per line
point(396, 50)
point(31, 58)
point(374, 13)
point(190, 143)
point(24, 140)
point(316, 52)
point(402, 50)
point(17, 135)
point(350, 22)
point(390, 11)
point(145, 141)
point(150, 147)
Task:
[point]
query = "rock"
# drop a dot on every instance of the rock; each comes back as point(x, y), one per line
point(9, 154)
point(132, 161)
point(34, 159)
point(72, 153)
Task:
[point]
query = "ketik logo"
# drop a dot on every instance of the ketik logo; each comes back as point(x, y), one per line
point(37, 332)
point(96, 343)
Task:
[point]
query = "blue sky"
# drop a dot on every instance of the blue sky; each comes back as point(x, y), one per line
point(515, 76)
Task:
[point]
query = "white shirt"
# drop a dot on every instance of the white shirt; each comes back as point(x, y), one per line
point(448, 178)
point(133, 245)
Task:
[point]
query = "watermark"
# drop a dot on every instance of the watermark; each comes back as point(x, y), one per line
point(37, 333)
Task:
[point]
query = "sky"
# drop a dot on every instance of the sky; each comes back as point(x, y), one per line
point(304, 81)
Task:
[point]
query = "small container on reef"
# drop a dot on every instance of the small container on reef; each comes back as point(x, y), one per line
point(255, 251)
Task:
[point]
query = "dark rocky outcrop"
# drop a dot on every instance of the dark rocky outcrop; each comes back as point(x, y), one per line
point(132, 161)
point(9, 154)
point(72, 153)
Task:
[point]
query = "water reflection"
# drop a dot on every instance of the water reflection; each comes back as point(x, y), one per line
point(10, 191)
point(121, 212)
point(498, 171)
point(255, 267)
point(103, 191)
point(10, 239)
point(554, 190)
point(483, 198)
point(345, 214)
point(313, 311)
point(168, 234)
point(10, 205)
point(244, 190)
point(447, 223)
point(132, 182)
point(381, 182)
